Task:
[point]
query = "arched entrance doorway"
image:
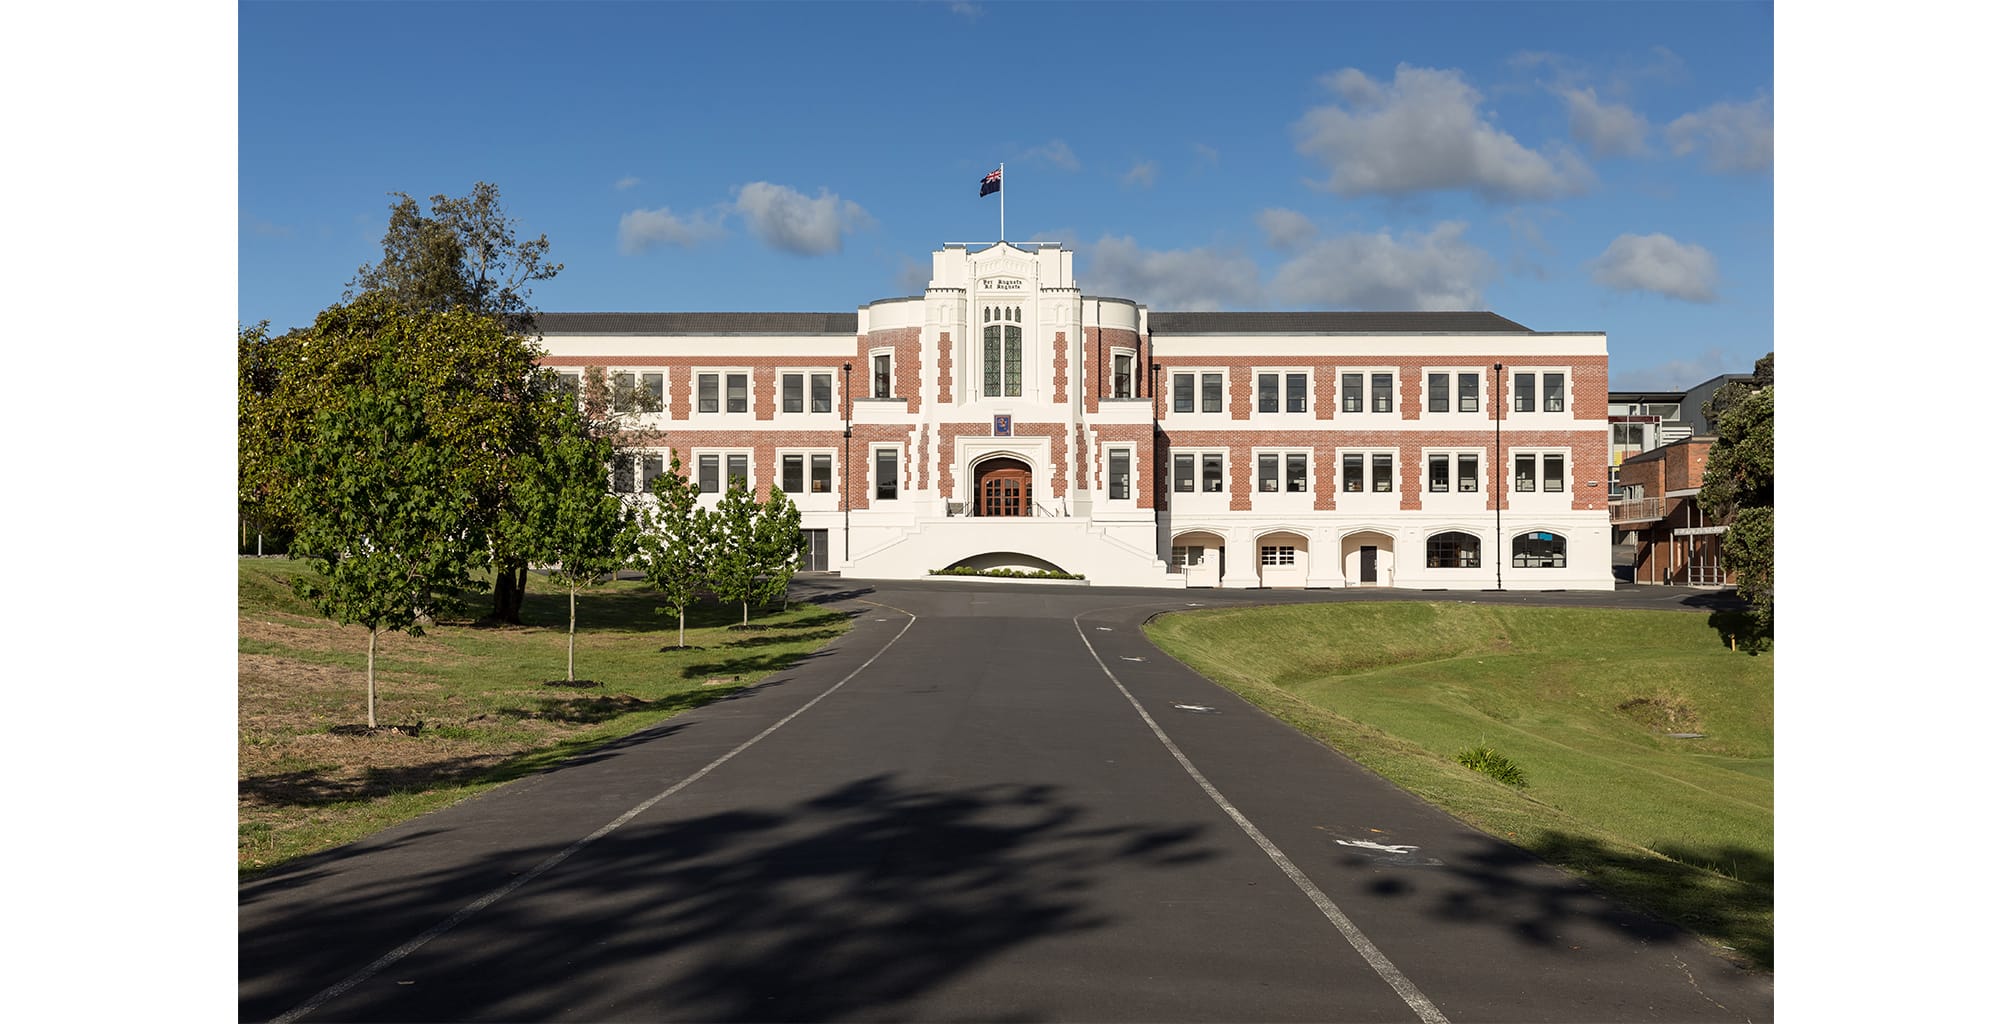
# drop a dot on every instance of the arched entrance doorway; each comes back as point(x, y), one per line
point(1003, 487)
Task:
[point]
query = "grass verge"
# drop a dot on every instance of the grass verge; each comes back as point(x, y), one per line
point(464, 707)
point(1646, 743)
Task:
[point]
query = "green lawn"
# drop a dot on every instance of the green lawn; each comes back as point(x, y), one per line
point(1583, 701)
point(474, 706)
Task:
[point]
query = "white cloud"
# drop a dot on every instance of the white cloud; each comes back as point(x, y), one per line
point(1423, 132)
point(1676, 374)
point(789, 220)
point(1056, 152)
point(1285, 229)
point(1658, 263)
point(627, 183)
point(1186, 279)
point(969, 10)
point(641, 230)
point(1143, 174)
point(1733, 136)
point(1438, 269)
point(1609, 129)
point(1207, 153)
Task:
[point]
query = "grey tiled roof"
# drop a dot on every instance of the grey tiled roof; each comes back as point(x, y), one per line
point(699, 323)
point(1333, 322)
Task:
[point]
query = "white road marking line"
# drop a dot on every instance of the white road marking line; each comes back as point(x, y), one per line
point(1193, 707)
point(1393, 977)
point(1367, 845)
point(1128, 657)
point(554, 860)
point(1103, 629)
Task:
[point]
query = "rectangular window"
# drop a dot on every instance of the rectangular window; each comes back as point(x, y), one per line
point(1212, 473)
point(1267, 392)
point(1280, 555)
point(1554, 392)
point(737, 471)
point(1267, 472)
point(1554, 472)
point(792, 392)
point(1439, 473)
point(992, 361)
point(1351, 473)
point(792, 474)
point(883, 376)
point(709, 474)
point(1438, 392)
point(1184, 392)
point(653, 467)
point(1295, 473)
point(1121, 473)
point(820, 392)
point(1470, 392)
point(1295, 392)
point(1121, 376)
point(569, 382)
point(625, 473)
point(1379, 392)
point(886, 470)
point(1526, 392)
point(1470, 474)
point(1526, 472)
point(1212, 392)
point(1012, 361)
point(737, 392)
point(1379, 473)
point(1351, 392)
point(709, 392)
point(820, 474)
point(633, 391)
point(1188, 555)
point(1184, 473)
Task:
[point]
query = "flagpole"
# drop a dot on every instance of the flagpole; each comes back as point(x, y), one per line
point(1002, 200)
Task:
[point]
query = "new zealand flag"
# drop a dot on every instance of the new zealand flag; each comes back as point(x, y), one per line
point(989, 184)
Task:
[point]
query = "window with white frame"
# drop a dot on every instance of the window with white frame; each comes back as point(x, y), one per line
point(1281, 392)
point(568, 383)
point(1184, 473)
point(1120, 474)
point(1212, 473)
point(1538, 550)
point(1439, 473)
point(708, 394)
point(1452, 471)
point(1380, 476)
point(792, 474)
point(636, 390)
point(1281, 471)
point(883, 374)
point(1198, 391)
point(709, 474)
point(806, 472)
point(1123, 372)
point(886, 473)
point(820, 474)
point(635, 471)
point(1526, 472)
point(1468, 476)
point(1351, 392)
point(1470, 392)
point(1554, 472)
point(1002, 351)
point(1453, 550)
point(1438, 392)
point(1277, 554)
point(1187, 554)
point(1382, 392)
point(737, 392)
point(806, 391)
point(1526, 392)
point(1553, 468)
point(1554, 392)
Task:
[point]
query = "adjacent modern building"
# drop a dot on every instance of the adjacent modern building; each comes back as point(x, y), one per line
point(1005, 419)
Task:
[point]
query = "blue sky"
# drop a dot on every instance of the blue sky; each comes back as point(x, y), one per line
point(1572, 166)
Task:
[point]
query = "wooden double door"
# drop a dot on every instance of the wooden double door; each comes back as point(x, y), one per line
point(1004, 488)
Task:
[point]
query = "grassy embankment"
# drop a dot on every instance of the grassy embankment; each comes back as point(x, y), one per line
point(489, 703)
point(1584, 701)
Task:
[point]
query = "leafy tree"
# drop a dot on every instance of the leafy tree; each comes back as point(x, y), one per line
point(1739, 491)
point(1731, 392)
point(676, 541)
point(262, 362)
point(464, 254)
point(757, 545)
point(383, 507)
point(570, 520)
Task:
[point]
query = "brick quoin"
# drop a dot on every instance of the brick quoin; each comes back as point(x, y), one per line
point(1061, 368)
point(907, 345)
point(1326, 385)
point(943, 367)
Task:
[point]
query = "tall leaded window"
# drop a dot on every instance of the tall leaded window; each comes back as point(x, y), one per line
point(1002, 352)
